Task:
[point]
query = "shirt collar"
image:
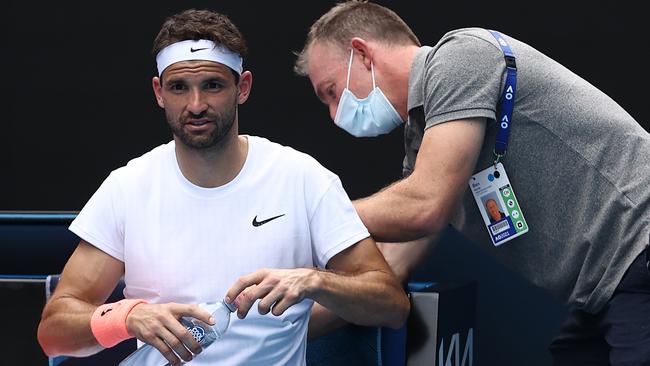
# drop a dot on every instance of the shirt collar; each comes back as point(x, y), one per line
point(416, 78)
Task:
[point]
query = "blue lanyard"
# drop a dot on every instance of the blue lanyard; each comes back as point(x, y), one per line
point(507, 98)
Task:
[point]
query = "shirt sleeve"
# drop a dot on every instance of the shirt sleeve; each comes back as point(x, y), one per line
point(463, 79)
point(101, 221)
point(334, 224)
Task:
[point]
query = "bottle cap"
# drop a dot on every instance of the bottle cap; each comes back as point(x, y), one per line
point(231, 307)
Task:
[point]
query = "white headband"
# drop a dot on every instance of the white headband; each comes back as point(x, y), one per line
point(198, 50)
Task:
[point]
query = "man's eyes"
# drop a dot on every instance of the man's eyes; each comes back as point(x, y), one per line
point(330, 92)
point(210, 85)
point(213, 85)
point(177, 87)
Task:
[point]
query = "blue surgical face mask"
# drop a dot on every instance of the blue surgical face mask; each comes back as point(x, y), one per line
point(368, 117)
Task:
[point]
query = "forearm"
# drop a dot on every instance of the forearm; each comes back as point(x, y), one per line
point(404, 258)
point(65, 328)
point(398, 213)
point(422, 204)
point(372, 298)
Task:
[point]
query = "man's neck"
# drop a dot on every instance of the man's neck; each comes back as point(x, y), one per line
point(209, 168)
point(398, 65)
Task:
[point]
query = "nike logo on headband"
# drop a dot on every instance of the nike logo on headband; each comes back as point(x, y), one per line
point(197, 49)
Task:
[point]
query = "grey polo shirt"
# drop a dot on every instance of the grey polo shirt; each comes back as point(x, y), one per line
point(577, 161)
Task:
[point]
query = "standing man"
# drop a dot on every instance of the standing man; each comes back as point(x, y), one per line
point(569, 146)
point(493, 210)
point(215, 214)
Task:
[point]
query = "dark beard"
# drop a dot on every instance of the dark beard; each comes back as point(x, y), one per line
point(223, 124)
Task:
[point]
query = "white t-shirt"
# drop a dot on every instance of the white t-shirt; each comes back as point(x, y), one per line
point(187, 244)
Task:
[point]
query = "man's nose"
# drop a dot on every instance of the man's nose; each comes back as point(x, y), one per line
point(196, 104)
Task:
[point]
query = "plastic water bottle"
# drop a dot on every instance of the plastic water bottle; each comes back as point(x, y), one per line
point(205, 334)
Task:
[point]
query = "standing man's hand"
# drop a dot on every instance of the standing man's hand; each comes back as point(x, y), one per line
point(278, 289)
point(403, 258)
point(159, 326)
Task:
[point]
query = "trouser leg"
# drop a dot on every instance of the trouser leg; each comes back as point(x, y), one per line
point(619, 335)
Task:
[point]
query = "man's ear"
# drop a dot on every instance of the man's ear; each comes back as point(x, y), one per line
point(363, 49)
point(157, 87)
point(245, 85)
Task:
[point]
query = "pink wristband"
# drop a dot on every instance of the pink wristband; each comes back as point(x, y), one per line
point(108, 322)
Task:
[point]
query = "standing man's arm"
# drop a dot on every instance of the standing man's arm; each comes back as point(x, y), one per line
point(322, 321)
point(358, 286)
point(403, 258)
point(415, 210)
point(422, 204)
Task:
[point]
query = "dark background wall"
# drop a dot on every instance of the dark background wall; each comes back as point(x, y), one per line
point(76, 103)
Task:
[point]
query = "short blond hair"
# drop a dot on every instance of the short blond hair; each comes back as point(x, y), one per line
point(355, 18)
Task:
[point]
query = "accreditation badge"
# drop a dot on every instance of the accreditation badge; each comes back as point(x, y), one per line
point(498, 205)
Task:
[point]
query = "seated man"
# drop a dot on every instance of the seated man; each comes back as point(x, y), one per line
point(215, 214)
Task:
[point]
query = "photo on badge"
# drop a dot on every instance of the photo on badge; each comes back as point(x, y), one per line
point(497, 204)
point(492, 211)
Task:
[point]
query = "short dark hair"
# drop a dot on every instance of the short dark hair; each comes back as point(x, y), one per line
point(356, 18)
point(193, 24)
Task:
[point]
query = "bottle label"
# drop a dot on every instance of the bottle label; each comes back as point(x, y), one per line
point(197, 332)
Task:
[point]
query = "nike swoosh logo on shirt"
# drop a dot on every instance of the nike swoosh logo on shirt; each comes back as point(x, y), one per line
point(260, 223)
